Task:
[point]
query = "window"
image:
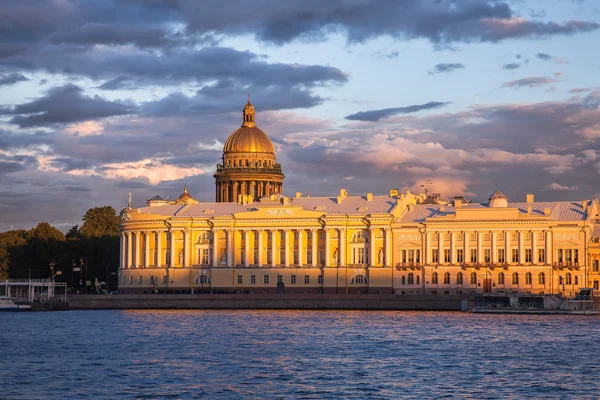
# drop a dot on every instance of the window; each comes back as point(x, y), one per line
point(459, 278)
point(515, 255)
point(165, 280)
point(266, 279)
point(309, 235)
point(418, 279)
point(459, 238)
point(541, 255)
point(204, 237)
point(501, 278)
point(253, 279)
point(473, 278)
point(309, 257)
point(568, 278)
point(540, 236)
point(473, 236)
point(140, 280)
point(576, 280)
point(501, 255)
point(528, 236)
point(131, 280)
point(528, 278)
point(459, 255)
point(561, 280)
point(279, 279)
point(240, 280)
point(473, 255)
point(575, 255)
point(358, 256)
point(487, 255)
point(596, 285)
point(434, 256)
point(203, 256)
point(446, 255)
point(595, 265)
point(360, 237)
point(306, 279)
point(446, 278)
point(487, 237)
point(320, 279)
point(434, 278)
point(514, 237)
point(515, 278)
point(359, 279)
point(202, 279)
point(541, 278)
point(403, 280)
point(293, 279)
point(411, 278)
point(527, 255)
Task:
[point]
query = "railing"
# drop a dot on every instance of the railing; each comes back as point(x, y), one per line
point(267, 170)
point(566, 264)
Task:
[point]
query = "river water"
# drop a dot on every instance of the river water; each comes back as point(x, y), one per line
point(296, 354)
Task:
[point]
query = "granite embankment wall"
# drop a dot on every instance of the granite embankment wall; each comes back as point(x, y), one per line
point(263, 301)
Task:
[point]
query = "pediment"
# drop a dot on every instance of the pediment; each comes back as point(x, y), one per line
point(409, 244)
point(567, 243)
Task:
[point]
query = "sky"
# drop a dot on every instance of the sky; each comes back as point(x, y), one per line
point(100, 98)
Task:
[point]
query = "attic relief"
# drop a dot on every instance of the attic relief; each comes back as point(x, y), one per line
point(567, 236)
point(280, 211)
point(409, 237)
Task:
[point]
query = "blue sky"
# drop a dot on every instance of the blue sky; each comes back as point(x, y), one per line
point(101, 98)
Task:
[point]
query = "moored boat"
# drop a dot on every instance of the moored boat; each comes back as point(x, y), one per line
point(7, 304)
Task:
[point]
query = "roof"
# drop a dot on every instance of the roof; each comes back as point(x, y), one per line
point(248, 140)
point(497, 195)
point(156, 198)
point(559, 211)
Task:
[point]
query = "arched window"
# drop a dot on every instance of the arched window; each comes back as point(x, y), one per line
point(359, 279)
point(446, 278)
point(528, 278)
point(473, 278)
point(434, 278)
point(515, 278)
point(459, 278)
point(203, 279)
point(501, 278)
point(411, 278)
point(568, 278)
point(541, 278)
point(204, 237)
point(360, 237)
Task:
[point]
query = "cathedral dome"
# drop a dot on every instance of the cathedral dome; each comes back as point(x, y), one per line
point(248, 138)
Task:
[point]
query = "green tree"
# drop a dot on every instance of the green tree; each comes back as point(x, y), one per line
point(73, 233)
point(9, 242)
point(100, 221)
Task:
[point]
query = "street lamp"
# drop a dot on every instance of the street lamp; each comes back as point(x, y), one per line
point(81, 262)
point(51, 270)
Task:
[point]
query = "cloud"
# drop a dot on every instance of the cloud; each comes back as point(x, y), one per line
point(531, 82)
point(376, 115)
point(446, 67)
point(544, 56)
point(10, 79)
point(65, 104)
point(557, 186)
point(580, 90)
point(511, 66)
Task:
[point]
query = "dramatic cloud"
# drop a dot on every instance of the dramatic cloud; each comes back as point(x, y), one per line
point(557, 186)
point(511, 66)
point(10, 79)
point(531, 82)
point(446, 67)
point(544, 56)
point(376, 115)
point(65, 104)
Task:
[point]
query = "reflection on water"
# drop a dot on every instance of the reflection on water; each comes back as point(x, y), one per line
point(296, 354)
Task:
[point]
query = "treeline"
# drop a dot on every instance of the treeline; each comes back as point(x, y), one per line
point(44, 250)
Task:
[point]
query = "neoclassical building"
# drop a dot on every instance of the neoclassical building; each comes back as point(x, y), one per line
point(253, 239)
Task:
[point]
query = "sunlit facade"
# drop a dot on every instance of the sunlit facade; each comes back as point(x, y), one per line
point(253, 239)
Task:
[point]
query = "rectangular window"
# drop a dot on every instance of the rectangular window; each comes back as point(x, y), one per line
point(576, 279)
point(541, 255)
point(240, 280)
point(596, 285)
point(575, 255)
point(131, 280)
point(595, 265)
point(253, 279)
point(514, 237)
point(540, 236)
point(309, 257)
point(515, 255)
point(266, 279)
point(293, 279)
point(487, 255)
point(527, 255)
point(140, 280)
point(434, 256)
point(459, 238)
point(165, 280)
point(320, 279)
point(446, 255)
point(279, 279)
point(459, 255)
point(473, 255)
point(501, 255)
point(487, 237)
point(528, 236)
point(500, 237)
point(306, 279)
point(473, 236)
point(358, 256)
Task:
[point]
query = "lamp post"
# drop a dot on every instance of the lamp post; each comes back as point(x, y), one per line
point(51, 271)
point(81, 262)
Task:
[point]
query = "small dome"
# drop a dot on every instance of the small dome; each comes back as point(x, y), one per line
point(498, 199)
point(185, 196)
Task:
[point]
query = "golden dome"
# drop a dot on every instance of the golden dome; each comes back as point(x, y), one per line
point(248, 138)
point(185, 196)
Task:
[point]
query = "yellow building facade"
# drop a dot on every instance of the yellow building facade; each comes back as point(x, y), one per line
point(402, 243)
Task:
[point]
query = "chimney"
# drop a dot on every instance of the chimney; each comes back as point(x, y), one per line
point(529, 197)
point(369, 196)
point(442, 209)
point(458, 202)
point(529, 210)
point(394, 193)
point(343, 193)
point(546, 211)
point(584, 204)
point(298, 195)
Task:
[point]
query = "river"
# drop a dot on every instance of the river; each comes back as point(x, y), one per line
point(297, 354)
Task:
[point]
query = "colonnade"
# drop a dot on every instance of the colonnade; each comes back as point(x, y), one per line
point(229, 191)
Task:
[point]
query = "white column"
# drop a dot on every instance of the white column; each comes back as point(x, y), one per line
point(452, 248)
point(314, 248)
point(247, 248)
point(466, 255)
point(521, 247)
point(388, 247)
point(159, 259)
point(274, 234)
point(440, 247)
point(327, 248)
point(147, 249)
point(286, 248)
point(549, 258)
point(533, 247)
point(172, 249)
point(507, 255)
point(136, 255)
point(479, 247)
point(494, 248)
point(427, 248)
point(121, 250)
point(186, 247)
point(300, 248)
point(372, 255)
point(260, 235)
point(342, 247)
point(229, 242)
point(215, 248)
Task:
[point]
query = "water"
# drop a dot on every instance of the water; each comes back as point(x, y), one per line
point(296, 354)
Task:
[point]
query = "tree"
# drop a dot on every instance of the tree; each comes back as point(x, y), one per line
point(73, 233)
point(100, 221)
point(9, 241)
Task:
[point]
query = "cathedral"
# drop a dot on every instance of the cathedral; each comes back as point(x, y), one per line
point(256, 239)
